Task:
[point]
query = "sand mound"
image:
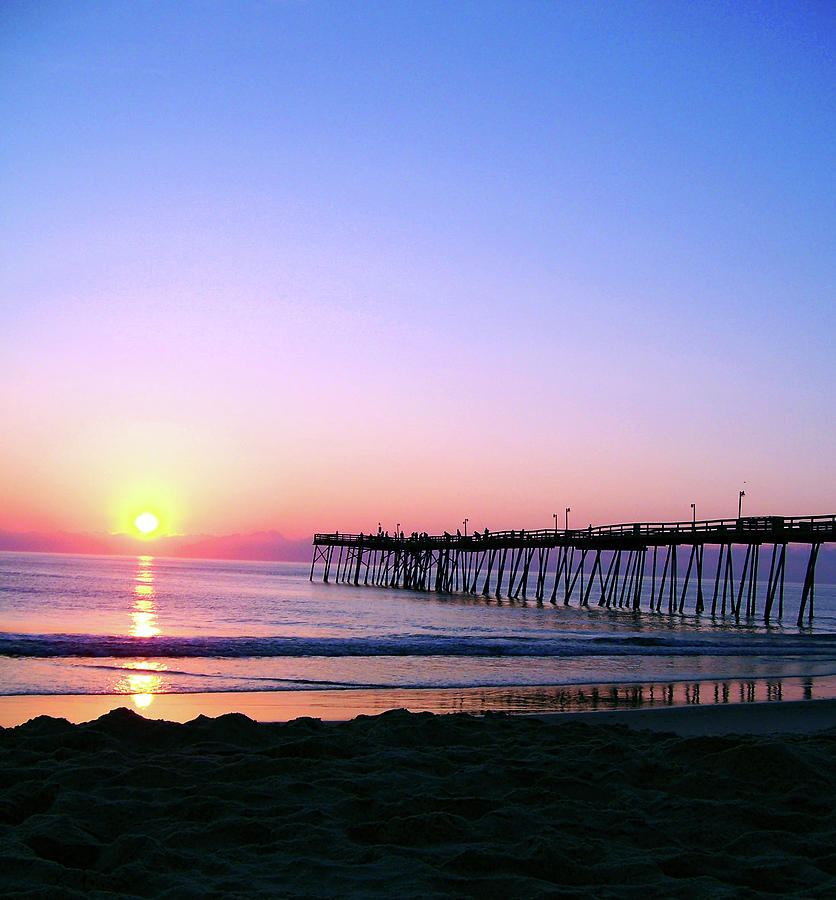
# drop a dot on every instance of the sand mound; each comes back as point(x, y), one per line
point(411, 806)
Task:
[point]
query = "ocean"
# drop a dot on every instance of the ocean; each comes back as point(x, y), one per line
point(139, 628)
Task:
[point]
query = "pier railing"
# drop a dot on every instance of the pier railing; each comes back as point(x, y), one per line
point(793, 529)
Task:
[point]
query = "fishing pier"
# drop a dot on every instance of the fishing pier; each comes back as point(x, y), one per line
point(613, 566)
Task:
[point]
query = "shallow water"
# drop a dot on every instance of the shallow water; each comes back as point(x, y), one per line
point(142, 626)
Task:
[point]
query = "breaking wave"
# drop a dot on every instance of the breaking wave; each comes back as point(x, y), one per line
point(51, 646)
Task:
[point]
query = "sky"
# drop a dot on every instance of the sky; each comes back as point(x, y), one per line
point(308, 266)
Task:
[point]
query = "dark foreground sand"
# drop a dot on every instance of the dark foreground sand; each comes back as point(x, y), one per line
point(404, 805)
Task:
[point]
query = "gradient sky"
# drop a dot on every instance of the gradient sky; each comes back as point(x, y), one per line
point(315, 265)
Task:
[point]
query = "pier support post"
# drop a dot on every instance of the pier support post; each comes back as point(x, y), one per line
point(664, 577)
point(357, 563)
point(486, 590)
point(653, 581)
point(327, 563)
point(717, 580)
point(562, 552)
point(606, 589)
point(578, 573)
point(742, 582)
point(595, 565)
point(809, 591)
point(729, 580)
point(700, 602)
point(627, 583)
point(480, 562)
point(687, 577)
point(672, 591)
point(637, 597)
point(753, 581)
point(529, 553)
point(503, 555)
point(542, 565)
point(776, 572)
point(516, 559)
point(611, 597)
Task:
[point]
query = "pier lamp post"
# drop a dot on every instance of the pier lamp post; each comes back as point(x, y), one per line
point(568, 510)
point(694, 514)
point(464, 522)
point(740, 497)
point(398, 530)
point(554, 516)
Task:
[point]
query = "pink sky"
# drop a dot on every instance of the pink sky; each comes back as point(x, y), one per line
point(286, 267)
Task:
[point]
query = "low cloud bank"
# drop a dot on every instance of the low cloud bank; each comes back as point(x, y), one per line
point(262, 545)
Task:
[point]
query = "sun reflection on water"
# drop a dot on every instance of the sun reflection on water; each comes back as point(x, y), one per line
point(144, 612)
point(141, 680)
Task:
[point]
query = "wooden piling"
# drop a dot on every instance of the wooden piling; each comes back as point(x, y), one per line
point(808, 592)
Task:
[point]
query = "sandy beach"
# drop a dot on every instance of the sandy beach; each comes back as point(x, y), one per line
point(417, 805)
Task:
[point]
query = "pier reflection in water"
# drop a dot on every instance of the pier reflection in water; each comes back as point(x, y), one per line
point(580, 698)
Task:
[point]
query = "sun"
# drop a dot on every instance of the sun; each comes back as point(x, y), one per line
point(147, 523)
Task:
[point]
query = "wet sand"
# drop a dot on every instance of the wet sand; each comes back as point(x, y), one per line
point(418, 805)
point(338, 705)
point(797, 717)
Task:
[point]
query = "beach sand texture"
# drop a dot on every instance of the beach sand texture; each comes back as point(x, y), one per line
point(405, 805)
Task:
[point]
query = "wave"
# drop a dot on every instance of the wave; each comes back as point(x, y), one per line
point(226, 677)
point(51, 646)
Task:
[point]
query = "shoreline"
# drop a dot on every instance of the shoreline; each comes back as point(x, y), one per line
point(712, 701)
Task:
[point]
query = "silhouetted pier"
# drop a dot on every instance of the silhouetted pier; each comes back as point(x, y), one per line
point(609, 565)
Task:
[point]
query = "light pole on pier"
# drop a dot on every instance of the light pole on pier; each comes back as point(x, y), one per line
point(694, 514)
point(398, 530)
point(568, 510)
point(740, 497)
point(554, 516)
point(465, 520)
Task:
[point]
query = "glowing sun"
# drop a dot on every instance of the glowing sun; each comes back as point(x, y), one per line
point(147, 523)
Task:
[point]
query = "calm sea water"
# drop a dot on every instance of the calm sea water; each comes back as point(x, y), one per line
point(140, 625)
